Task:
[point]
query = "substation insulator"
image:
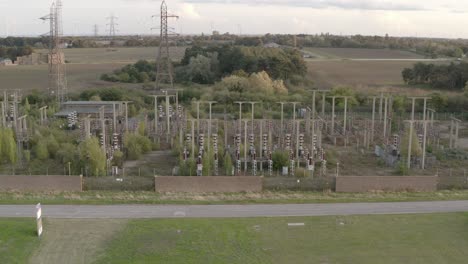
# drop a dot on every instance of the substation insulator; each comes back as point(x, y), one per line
point(101, 139)
point(238, 139)
point(254, 167)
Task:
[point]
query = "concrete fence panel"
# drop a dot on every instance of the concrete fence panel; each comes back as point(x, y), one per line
point(212, 184)
point(386, 183)
point(41, 183)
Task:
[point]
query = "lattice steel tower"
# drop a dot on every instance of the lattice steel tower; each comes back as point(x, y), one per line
point(112, 25)
point(164, 70)
point(56, 59)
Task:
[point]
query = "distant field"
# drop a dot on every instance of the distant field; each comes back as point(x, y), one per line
point(118, 55)
point(79, 76)
point(84, 70)
point(349, 53)
point(372, 73)
point(366, 76)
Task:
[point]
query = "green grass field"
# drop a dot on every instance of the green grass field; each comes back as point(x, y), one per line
point(432, 238)
point(354, 239)
point(17, 240)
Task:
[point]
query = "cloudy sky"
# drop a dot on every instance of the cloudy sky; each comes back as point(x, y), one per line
point(422, 18)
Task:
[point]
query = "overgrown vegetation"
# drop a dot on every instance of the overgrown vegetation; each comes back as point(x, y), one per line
point(206, 65)
point(13, 52)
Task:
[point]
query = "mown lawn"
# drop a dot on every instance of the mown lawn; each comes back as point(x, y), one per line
point(17, 240)
point(435, 238)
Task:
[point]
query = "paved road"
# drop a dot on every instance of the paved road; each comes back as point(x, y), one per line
point(213, 211)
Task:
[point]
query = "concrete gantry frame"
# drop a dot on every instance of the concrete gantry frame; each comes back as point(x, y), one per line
point(176, 96)
point(168, 117)
point(346, 98)
point(282, 120)
point(412, 121)
point(156, 117)
point(126, 114)
point(43, 115)
point(384, 111)
point(431, 112)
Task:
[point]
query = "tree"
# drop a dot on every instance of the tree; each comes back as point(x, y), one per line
point(41, 150)
point(280, 159)
point(93, 156)
point(227, 164)
point(416, 150)
point(8, 149)
point(408, 75)
point(207, 163)
point(136, 145)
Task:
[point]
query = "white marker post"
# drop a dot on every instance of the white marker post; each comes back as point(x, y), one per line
point(39, 219)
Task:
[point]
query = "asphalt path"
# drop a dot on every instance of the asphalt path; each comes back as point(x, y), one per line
point(229, 211)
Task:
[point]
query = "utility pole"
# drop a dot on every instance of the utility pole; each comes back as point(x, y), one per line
point(126, 115)
point(198, 117)
point(168, 116)
point(324, 93)
point(240, 114)
point(164, 72)
point(209, 124)
point(333, 115)
point(156, 116)
point(245, 145)
point(410, 143)
point(253, 113)
point(282, 122)
point(103, 127)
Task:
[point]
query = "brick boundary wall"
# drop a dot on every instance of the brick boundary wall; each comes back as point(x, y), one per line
point(208, 184)
point(386, 183)
point(41, 183)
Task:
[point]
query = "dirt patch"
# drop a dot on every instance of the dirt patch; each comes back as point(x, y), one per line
point(75, 241)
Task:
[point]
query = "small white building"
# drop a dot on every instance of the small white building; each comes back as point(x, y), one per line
point(5, 62)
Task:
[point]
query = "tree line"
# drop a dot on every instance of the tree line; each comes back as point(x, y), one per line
point(430, 47)
point(13, 52)
point(207, 65)
point(452, 77)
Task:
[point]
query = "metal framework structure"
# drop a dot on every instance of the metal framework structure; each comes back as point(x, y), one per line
point(164, 71)
point(57, 70)
point(112, 25)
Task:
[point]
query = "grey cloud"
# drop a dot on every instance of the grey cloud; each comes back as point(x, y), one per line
point(323, 4)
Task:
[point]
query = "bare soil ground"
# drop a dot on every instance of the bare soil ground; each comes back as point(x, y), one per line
point(75, 241)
